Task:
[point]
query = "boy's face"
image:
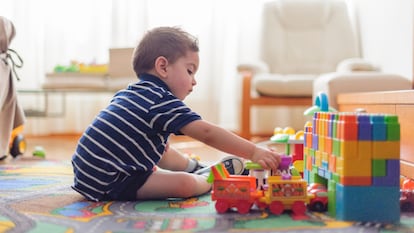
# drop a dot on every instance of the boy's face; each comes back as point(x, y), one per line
point(181, 75)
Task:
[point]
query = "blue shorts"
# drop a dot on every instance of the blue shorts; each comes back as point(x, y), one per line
point(127, 190)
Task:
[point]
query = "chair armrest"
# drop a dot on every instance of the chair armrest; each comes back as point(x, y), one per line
point(334, 83)
point(253, 67)
point(355, 65)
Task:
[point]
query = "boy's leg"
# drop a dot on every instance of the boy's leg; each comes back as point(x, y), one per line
point(174, 160)
point(163, 184)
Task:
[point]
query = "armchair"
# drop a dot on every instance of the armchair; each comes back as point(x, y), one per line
point(302, 40)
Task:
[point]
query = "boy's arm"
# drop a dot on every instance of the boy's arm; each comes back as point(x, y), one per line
point(229, 142)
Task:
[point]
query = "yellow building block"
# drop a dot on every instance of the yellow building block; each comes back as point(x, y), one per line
point(318, 158)
point(325, 157)
point(321, 142)
point(354, 167)
point(339, 166)
point(364, 149)
point(386, 149)
point(348, 149)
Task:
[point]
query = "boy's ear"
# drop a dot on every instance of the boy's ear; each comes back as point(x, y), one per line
point(161, 64)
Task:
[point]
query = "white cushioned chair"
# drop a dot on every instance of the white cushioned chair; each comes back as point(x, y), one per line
point(300, 41)
point(357, 76)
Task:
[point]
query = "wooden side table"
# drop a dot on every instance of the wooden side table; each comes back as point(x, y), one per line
point(400, 103)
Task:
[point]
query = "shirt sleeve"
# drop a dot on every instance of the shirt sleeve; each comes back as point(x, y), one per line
point(171, 114)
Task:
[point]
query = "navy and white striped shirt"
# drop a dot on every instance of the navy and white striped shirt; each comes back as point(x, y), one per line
point(128, 137)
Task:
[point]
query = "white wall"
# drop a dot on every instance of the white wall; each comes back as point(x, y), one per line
point(386, 33)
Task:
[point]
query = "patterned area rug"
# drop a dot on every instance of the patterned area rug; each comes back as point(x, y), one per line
point(35, 197)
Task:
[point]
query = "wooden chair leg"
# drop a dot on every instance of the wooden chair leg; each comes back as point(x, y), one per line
point(245, 121)
point(246, 104)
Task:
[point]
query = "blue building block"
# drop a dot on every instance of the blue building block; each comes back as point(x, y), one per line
point(368, 203)
point(328, 175)
point(379, 128)
point(305, 142)
point(306, 175)
point(364, 128)
point(325, 165)
point(315, 140)
point(392, 175)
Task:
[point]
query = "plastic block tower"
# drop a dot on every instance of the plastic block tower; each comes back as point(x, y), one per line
point(357, 155)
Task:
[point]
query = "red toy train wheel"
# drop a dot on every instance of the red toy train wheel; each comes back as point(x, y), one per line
point(276, 207)
point(222, 206)
point(243, 207)
point(299, 208)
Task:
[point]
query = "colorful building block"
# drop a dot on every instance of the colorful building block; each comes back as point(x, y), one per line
point(357, 155)
point(367, 203)
point(364, 128)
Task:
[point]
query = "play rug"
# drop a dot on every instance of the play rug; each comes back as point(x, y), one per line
point(35, 197)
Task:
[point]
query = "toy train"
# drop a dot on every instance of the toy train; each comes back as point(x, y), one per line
point(281, 190)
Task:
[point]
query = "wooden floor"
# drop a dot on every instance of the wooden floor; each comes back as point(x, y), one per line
point(61, 147)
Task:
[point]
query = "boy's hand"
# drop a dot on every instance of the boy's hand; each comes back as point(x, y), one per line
point(267, 158)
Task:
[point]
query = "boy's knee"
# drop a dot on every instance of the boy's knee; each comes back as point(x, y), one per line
point(190, 185)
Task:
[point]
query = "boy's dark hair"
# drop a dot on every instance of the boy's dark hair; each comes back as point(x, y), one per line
point(170, 42)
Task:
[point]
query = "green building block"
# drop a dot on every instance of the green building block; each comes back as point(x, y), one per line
point(332, 198)
point(393, 128)
point(379, 167)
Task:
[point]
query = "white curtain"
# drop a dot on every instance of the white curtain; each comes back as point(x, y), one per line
point(52, 32)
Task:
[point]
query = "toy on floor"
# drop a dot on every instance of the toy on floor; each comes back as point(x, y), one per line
point(39, 152)
point(17, 142)
point(407, 200)
point(357, 156)
point(278, 192)
point(319, 201)
point(407, 195)
point(356, 159)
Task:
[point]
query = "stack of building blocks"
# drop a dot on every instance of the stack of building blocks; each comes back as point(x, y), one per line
point(357, 155)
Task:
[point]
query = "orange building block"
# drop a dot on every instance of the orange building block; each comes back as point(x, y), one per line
point(332, 163)
point(348, 127)
point(356, 181)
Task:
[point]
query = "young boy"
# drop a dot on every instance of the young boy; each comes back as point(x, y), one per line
point(116, 155)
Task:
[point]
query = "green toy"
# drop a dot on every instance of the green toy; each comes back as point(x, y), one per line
point(39, 152)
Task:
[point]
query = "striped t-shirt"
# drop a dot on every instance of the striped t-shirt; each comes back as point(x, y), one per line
point(128, 137)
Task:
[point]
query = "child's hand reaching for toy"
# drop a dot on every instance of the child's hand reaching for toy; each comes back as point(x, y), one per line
point(267, 158)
